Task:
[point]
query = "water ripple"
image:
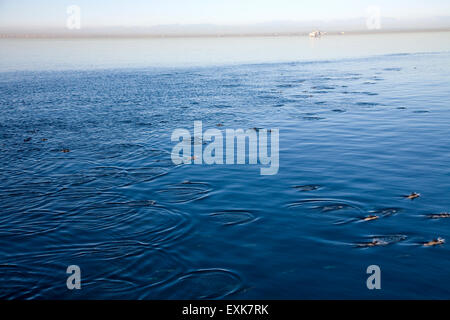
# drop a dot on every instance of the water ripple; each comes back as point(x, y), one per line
point(205, 284)
point(184, 192)
point(233, 217)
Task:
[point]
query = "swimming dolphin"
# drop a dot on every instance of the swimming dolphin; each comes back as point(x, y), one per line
point(412, 196)
point(434, 242)
point(439, 215)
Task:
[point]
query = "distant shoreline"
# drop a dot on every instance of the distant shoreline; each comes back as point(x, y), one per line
point(99, 35)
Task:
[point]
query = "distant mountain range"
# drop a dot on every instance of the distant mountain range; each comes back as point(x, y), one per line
point(269, 28)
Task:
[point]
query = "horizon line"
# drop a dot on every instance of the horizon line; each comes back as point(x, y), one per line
point(74, 34)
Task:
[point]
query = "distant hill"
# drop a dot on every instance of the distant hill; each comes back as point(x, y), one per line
point(269, 28)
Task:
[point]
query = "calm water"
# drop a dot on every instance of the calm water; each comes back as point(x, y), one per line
point(359, 128)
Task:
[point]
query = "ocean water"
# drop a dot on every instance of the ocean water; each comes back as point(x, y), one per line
point(360, 127)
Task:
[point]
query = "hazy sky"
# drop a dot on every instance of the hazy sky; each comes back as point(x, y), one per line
point(100, 13)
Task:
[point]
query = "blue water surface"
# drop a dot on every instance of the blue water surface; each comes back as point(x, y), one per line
point(355, 136)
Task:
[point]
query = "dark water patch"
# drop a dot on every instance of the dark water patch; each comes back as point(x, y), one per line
point(231, 85)
point(323, 78)
point(286, 85)
point(301, 96)
point(286, 100)
point(333, 207)
point(329, 207)
point(135, 203)
point(308, 187)
point(144, 124)
point(339, 110)
point(323, 88)
point(364, 93)
point(368, 104)
point(233, 217)
point(352, 74)
point(402, 54)
point(353, 78)
point(312, 118)
point(392, 69)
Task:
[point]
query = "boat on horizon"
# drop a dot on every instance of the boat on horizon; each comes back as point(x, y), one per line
point(316, 34)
